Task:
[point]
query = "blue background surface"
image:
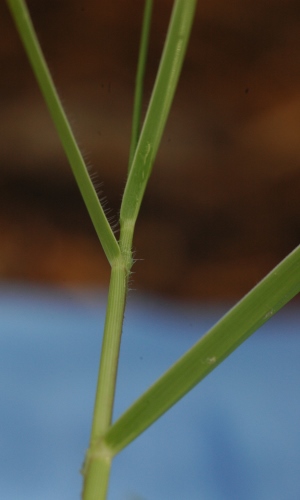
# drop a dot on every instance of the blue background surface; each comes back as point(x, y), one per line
point(235, 436)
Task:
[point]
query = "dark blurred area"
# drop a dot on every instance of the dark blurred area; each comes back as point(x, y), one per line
point(222, 207)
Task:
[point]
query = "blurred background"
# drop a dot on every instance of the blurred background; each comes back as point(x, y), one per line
point(222, 206)
point(221, 209)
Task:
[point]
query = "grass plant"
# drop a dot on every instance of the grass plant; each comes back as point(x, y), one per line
point(258, 306)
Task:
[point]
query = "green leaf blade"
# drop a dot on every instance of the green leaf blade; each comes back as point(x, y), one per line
point(31, 45)
point(257, 307)
point(159, 107)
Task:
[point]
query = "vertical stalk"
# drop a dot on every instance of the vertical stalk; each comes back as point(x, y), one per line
point(96, 470)
point(98, 458)
point(97, 465)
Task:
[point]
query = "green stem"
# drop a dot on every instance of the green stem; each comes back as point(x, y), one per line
point(159, 107)
point(138, 95)
point(96, 473)
point(98, 458)
point(162, 96)
point(26, 31)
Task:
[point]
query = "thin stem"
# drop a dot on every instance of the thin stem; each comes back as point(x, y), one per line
point(159, 107)
point(139, 82)
point(98, 457)
point(30, 42)
point(155, 120)
point(110, 352)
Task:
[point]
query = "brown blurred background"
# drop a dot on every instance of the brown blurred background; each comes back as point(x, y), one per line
point(222, 206)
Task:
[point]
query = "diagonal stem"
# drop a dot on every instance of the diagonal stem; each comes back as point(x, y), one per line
point(31, 44)
point(257, 307)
